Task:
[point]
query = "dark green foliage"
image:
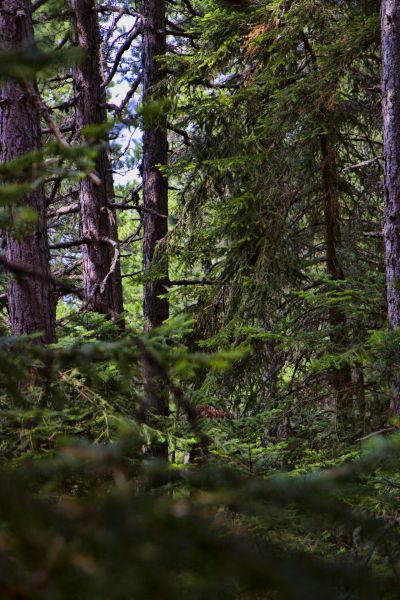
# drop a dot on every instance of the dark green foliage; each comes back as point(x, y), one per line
point(102, 521)
point(270, 491)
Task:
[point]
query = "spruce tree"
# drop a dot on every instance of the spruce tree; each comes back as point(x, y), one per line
point(29, 295)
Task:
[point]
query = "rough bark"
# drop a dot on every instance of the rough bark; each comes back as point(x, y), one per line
point(30, 303)
point(155, 192)
point(390, 27)
point(101, 272)
point(341, 376)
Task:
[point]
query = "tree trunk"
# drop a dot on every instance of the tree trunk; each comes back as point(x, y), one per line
point(341, 376)
point(390, 26)
point(101, 266)
point(30, 305)
point(155, 192)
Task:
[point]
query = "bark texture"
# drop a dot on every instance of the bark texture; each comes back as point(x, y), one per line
point(341, 376)
point(155, 191)
point(101, 266)
point(390, 17)
point(390, 27)
point(30, 302)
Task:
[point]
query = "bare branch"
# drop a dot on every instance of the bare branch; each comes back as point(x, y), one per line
point(104, 8)
point(125, 46)
point(45, 111)
point(65, 210)
point(362, 164)
point(191, 9)
point(180, 132)
point(185, 282)
point(71, 244)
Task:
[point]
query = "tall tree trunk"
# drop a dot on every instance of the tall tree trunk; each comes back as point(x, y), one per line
point(341, 376)
point(155, 192)
point(101, 270)
point(30, 305)
point(390, 26)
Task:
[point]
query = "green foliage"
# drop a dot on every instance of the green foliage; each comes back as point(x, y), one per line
point(26, 64)
point(268, 492)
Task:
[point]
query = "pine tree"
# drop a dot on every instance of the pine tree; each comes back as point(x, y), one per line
point(101, 265)
point(155, 188)
point(390, 23)
point(30, 302)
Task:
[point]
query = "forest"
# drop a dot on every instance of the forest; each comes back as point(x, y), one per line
point(200, 299)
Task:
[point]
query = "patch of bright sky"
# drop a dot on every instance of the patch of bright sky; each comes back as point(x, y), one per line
point(128, 136)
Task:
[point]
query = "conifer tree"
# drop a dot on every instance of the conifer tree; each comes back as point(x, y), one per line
point(155, 187)
point(30, 303)
point(390, 27)
point(101, 265)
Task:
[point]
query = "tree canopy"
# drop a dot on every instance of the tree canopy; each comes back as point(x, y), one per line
point(200, 307)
